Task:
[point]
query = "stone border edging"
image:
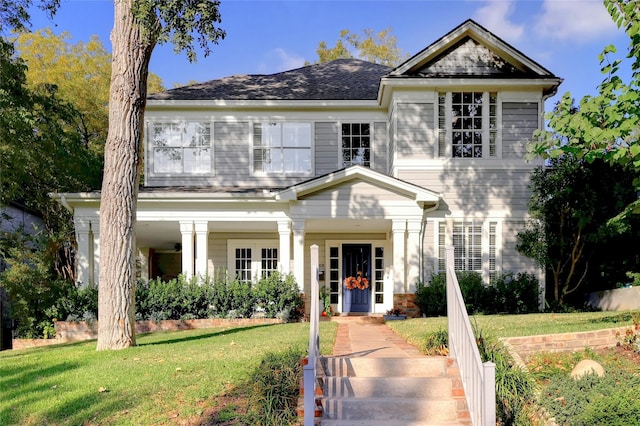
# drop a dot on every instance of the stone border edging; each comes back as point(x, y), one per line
point(67, 331)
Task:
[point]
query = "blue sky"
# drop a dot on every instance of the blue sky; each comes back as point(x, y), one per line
point(265, 37)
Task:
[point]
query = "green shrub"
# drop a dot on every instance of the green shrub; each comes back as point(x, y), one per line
point(611, 400)
point(472, 290)
point(514, 294)
point(431, 298)
point(275, 388)
point(437, 343)
point(241, 300)
point(278, 295)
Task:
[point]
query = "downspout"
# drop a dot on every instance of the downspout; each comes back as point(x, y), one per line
point(65, 204)
point(423, 226)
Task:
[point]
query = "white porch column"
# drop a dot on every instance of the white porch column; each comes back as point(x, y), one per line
point(186, 229)
point(414, 228)
point(398, 228)
point(298, 253)
point(284, 230)
point(202, 254)
point(95, 232)
point(83, 257)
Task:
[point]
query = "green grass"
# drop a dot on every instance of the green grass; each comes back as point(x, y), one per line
point(169, 378)
point(415, 330)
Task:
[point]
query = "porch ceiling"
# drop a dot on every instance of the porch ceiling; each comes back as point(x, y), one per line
point(164, 235)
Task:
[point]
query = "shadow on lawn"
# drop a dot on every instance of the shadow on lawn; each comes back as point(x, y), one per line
point(191, 338)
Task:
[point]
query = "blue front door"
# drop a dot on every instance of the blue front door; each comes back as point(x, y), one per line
point(356, 271)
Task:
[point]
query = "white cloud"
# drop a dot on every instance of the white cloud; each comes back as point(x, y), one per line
point(578, 21)
point(494, 15)
point(278, 60)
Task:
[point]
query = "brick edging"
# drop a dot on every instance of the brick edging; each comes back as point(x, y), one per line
point(566, 342)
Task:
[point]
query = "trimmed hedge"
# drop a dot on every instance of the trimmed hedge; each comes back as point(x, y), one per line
point(509, 293)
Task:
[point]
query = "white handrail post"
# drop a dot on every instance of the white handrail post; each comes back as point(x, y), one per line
point(451, 316)
point(489, 393)
point(309, 370)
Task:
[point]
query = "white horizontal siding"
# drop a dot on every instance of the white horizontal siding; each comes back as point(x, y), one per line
point(519, 121)
point(414, 137)
point(326, 148)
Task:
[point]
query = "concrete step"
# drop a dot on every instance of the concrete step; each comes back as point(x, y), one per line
point(379, 387)
point(391, 409)
point(386, 367)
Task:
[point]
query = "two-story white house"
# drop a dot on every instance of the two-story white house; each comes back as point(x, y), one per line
point(380, 167)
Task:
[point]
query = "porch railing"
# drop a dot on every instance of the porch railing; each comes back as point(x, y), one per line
point(309, 370)
point(478, 379)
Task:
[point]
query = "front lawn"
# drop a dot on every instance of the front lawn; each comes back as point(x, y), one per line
point(415, 330)
point(169, 378)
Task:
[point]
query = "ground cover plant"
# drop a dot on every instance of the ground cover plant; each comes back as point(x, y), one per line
point(611, 400)
point(169, 378)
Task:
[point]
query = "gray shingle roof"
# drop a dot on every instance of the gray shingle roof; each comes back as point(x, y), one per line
point(342, 79)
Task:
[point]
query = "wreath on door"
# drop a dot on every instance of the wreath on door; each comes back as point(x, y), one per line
point(358, 282)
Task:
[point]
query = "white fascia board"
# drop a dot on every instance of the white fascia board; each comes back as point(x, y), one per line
point(276, 105)
point(390, 84)
point(419, 194)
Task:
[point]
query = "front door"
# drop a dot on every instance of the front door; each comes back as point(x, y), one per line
point(356, 282)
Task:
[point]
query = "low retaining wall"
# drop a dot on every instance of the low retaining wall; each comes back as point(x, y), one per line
point(566, 342)
point(79, 331)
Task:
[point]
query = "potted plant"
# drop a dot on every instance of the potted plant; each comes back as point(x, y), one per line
point(395, 314)
point(325, 298)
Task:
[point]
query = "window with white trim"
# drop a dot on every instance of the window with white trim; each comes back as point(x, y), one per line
point(282, 148)
point(249, 260)
point(471, 251)
point(467, 121)
point(356, 144)
point(183, 147)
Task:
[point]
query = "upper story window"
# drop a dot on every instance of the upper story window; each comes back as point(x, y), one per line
point(356, 144)
point(181, 147)
point(282, 148)
point(467, 122)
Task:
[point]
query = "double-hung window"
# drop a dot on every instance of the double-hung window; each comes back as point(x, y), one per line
point(282, 148)
point(467, 122)
point(356, 144)
point(181, 147)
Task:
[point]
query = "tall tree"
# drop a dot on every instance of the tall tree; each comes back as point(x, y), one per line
point(605, 126)
point(569, 233)
point(81, 72)
point(138, 27)
point(380, 48)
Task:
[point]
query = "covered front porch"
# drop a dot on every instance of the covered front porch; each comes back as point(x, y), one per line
point(363, 221)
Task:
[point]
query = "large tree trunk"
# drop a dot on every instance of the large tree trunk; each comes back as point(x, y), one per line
point(131, 50)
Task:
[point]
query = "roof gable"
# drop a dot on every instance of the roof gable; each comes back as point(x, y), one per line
point(356, 175)
point(470, 50)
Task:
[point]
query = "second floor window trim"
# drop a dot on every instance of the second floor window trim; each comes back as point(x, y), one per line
point(181, 147)
point(282, 148)
point(356, 144)
point(467, 125)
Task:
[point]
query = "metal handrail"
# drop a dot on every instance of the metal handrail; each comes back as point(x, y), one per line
point(478, 379)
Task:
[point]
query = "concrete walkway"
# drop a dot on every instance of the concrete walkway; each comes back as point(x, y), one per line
point(369, 337)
